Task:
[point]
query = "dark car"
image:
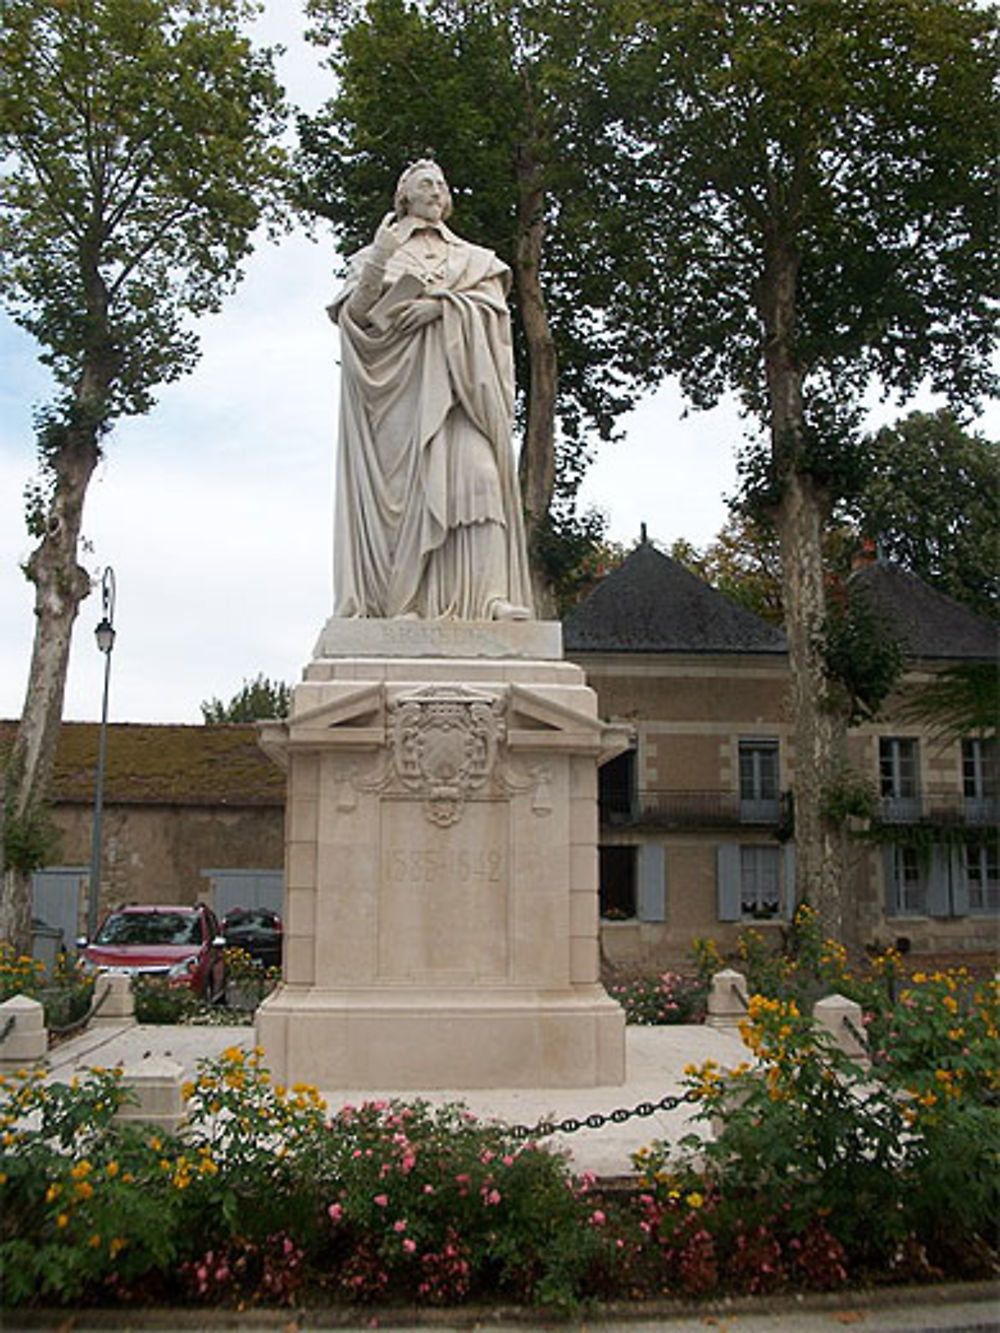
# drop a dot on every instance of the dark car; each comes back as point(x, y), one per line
point(182, 944)
point(255, 930)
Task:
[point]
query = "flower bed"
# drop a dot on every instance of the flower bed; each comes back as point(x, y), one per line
point(819, 1174)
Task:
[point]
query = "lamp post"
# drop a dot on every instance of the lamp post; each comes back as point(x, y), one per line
point(105, 636)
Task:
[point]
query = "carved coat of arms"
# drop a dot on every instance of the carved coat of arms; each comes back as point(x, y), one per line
point(443, 744)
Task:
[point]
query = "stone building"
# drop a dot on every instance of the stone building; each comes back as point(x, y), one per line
point(697, 835)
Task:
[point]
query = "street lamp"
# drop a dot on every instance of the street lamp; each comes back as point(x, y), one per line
point(105, 636)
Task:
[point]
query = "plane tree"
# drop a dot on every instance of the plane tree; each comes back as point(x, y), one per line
point(500, 91)
point(814, 205)
point(138, 155)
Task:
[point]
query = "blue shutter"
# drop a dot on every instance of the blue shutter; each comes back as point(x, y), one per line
point(939, 881)
point(652, 894)
point(727, 867)
point(891, 888)
point(959, 881)
point(788, 874)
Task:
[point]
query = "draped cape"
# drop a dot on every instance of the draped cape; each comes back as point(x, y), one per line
point(425, 443)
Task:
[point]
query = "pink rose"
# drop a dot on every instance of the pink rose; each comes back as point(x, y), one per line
point(381, 1200)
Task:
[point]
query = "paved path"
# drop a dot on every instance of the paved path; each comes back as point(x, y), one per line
point(655, 1062)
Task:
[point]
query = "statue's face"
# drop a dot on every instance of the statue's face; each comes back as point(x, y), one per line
point(427, 194)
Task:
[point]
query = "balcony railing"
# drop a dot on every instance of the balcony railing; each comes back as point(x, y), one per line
point(947, 807)
point(687, 809)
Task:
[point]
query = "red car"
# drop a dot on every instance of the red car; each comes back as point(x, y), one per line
point(182, 944)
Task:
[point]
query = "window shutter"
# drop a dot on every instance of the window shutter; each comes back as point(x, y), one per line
point(789, 885)
point(891, 887)
point(959, 881)
point(939, 881)
point(652, 882)
point(727, 866)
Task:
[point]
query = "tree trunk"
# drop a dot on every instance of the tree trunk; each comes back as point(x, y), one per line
point(60, 586)
point(800, 516)
point(537, 462)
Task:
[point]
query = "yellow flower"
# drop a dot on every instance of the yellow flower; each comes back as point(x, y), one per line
point(187, 1091)
point(694, 1199)
point(62, 1220)
point(112, 1169)
point(116, 1243)
point(82, 1168)
point(94, 1241)
point(52, 1193)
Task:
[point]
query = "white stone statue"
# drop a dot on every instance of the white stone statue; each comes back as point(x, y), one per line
point(428, 514)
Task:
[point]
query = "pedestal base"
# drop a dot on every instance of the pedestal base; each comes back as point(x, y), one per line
point(441, 922)
point(424, 1039)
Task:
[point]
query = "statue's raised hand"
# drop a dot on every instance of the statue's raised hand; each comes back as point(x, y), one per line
point(387, 240)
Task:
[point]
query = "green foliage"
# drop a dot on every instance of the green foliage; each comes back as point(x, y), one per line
point(899, 1183)
point(960, 701)
point(505, 93)
point(65, 994)
point(138, 160)
point(863, 660)
point(257, 699)
point(931, 501)
point(817, 1173)
point(842, 146)
point(572, 554)
point(661, 1000)
point(850, 795)
point(158, 1000)
point(30, 840)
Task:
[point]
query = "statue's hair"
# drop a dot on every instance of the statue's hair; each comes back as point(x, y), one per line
point(421, 164)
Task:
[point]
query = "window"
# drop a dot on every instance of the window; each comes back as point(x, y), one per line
point(755, 881)
point(907, 887)
point(760, 882)
point(982, 875)
point(898, 777)
point(759, 781)
point(979, 779)
point(616, 788)
point(617, 881)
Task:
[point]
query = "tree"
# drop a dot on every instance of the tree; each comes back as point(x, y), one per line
point(931, 501)
point(257, 699)
point(500, 92)
point(816, 208)
point(138, 157)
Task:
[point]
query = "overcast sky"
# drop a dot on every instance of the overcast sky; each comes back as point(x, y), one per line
point(215, 509)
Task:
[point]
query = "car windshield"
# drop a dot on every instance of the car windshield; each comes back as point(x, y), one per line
point(151, 928)
point(249, 919)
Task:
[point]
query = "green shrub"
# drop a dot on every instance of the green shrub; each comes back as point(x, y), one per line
point(813, 1156)
point(158, 1000)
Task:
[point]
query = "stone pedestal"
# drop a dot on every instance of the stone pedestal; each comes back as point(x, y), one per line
point(441, 917)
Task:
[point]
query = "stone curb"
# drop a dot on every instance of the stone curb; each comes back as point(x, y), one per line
point(929, 1298)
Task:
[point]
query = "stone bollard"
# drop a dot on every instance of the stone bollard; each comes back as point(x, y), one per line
point(113, 995)
point(727, 999)
point(23, 1037)
point(156, 1081)
point(843, 1019)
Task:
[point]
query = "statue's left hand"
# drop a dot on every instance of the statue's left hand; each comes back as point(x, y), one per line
point(418, 313)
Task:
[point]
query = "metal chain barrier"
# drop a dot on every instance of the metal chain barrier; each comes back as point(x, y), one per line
point(95, 1008)
point(598, 1120)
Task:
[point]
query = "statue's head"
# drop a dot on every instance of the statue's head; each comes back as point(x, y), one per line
point(422, 189)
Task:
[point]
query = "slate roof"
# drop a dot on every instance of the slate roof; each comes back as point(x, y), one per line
point(162, 765)
point(926, 622)
point(652, 604)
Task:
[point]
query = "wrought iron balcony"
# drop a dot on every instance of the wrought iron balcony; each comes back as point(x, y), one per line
point(947, 807)
point(686, 809)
